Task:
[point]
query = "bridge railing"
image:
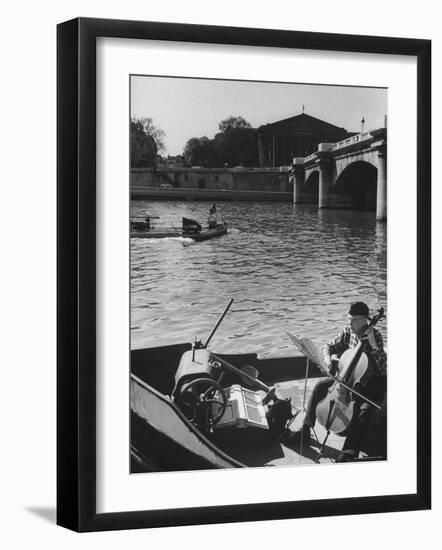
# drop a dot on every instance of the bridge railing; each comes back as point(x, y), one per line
point(351, 141)
point(336, 146)
point(310, 157)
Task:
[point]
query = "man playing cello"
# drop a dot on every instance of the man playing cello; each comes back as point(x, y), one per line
point(357, 331)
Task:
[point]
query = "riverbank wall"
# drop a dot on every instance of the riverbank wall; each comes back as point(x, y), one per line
point(236, 184)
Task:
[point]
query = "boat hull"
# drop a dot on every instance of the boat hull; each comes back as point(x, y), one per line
point(201, 236)
point(154, 234)
point(206, 235)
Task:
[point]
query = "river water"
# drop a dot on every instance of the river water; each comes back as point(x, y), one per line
point(287, 267)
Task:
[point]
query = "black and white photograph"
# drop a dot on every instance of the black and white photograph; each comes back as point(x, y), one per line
point(221, 248)
point(258, 274)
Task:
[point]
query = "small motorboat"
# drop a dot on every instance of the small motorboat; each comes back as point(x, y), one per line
point(190, 229)
point(204, 235)
point(142, 224)
point(192, 409)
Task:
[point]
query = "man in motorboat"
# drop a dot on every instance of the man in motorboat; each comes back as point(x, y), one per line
point(212, 221)
point(360, 349)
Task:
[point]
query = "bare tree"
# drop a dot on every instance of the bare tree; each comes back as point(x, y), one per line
point(154, 131)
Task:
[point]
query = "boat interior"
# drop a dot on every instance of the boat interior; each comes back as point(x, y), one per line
point(192, 408)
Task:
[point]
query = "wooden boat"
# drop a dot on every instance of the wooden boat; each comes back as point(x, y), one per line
point(220, 229)
point(178, 391)
point(204, 235)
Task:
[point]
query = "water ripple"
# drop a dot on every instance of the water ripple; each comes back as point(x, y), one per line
point(288, 267)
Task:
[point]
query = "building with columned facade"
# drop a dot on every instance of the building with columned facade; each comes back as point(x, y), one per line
point(298, 136)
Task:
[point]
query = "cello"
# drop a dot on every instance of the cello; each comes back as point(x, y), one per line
point(335, 412)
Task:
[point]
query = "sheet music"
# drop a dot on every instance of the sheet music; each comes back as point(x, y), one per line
point(308, 348)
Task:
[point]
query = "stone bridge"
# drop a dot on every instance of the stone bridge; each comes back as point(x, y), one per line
point(347, 174)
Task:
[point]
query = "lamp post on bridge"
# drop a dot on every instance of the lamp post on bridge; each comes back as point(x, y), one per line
point(362, 125)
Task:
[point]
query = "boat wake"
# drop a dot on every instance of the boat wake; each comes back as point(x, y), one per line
point(159, 241)
point(186, 241)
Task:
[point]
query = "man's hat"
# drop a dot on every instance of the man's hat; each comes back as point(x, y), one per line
point(359, 308)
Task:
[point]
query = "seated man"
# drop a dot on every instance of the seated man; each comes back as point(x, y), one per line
point(373, 346)
point(212, 221)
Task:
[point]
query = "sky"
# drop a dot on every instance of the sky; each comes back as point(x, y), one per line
point(187, 107)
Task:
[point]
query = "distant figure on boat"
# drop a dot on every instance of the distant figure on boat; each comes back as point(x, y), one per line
point(191, 226)
point(212, 221)
point(356, 332)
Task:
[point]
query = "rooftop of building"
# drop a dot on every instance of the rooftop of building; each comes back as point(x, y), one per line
point(302, 123)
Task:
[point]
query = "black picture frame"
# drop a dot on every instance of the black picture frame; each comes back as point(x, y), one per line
point(77, 287)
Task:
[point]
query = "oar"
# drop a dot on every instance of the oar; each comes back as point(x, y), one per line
point(218, 323)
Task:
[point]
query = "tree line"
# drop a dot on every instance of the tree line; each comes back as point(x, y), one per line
point(146, 143)
point(236, 144)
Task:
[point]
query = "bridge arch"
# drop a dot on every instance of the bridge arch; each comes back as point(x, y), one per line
point(356, 185)
point(343, 162)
